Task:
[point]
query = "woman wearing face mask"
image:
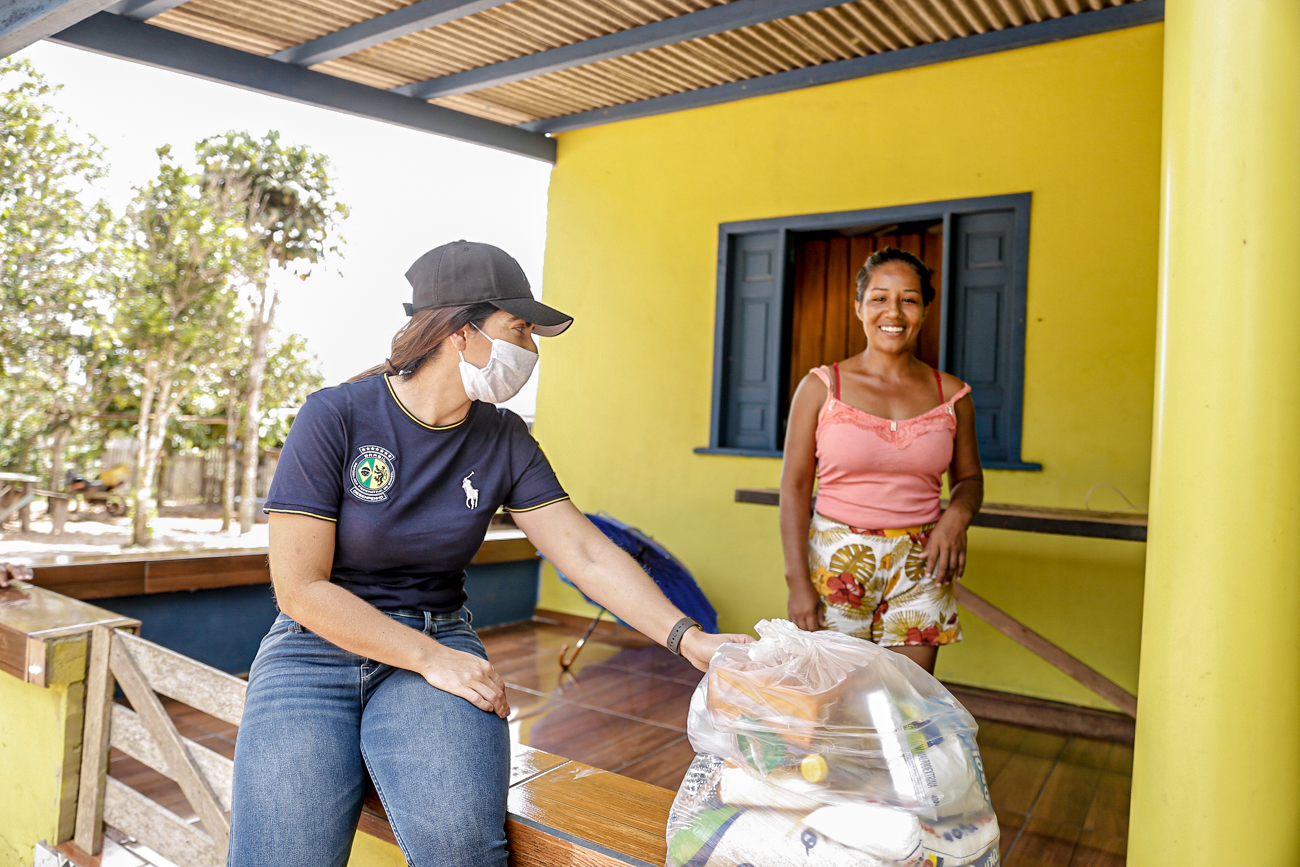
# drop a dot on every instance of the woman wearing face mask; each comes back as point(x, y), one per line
point(382, 495)
point(877, 432)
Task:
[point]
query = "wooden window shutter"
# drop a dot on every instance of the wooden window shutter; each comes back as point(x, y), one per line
point(753, 358)
point(987, 327)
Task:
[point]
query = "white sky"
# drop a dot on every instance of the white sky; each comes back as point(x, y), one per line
point(408, 191)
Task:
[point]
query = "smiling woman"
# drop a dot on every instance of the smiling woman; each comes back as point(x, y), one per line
point(876, 432)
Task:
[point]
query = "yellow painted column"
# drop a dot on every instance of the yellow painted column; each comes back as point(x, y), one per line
point(1216, 777)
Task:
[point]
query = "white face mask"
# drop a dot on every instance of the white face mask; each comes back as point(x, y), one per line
point(507, 370)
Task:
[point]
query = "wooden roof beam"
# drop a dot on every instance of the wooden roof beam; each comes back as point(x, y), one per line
point(118, 36)
point(23, 22)
point(706, 22)
point(383, 28)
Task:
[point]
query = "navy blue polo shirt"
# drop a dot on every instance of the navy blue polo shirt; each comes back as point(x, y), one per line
point(412, 502)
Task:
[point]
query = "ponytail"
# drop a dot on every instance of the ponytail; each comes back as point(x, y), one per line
point(420, 339)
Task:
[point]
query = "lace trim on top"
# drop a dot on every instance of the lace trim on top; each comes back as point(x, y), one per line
point(899, 433)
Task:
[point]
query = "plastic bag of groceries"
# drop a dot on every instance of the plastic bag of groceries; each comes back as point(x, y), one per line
point(818, 749)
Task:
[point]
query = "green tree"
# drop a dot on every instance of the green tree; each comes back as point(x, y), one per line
point(59, 263)
point(291, 210)
point(176, 314)
point(292, 373)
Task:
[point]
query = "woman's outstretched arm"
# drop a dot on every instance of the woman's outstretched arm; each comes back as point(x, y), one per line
point(608, 575)
point(798, 471)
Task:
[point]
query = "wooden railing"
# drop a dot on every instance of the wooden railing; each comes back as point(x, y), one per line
point(560, 811)
point(146, 733)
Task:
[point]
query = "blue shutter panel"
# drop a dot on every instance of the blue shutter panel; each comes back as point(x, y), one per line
point(984, 327)
point(752, 359)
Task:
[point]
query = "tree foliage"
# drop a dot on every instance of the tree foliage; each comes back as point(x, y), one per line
point(291, 211)
point(59, 269)
point(290, 205)
point(126, 322)
point(178, 311)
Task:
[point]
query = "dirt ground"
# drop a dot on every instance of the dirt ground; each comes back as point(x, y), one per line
point(88, 535)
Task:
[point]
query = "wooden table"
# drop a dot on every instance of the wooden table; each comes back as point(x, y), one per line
point(25, 488)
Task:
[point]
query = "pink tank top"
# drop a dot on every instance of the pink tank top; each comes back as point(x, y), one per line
point(877, 473)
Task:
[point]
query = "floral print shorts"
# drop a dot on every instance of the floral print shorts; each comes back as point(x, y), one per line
point(874, 586)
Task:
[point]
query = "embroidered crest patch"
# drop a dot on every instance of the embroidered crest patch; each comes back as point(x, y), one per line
point(372, 474)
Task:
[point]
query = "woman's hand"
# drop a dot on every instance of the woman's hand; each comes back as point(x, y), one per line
point(805, 607)
point(469, 677)
point(697, 646)
point(945, 553)
point(14, 572)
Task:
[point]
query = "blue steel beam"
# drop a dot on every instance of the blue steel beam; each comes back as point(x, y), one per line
point(116, 36)
point(143, 10)
point(1080, 24)
point(383, 28)
point(23, 22)
point(717, 19)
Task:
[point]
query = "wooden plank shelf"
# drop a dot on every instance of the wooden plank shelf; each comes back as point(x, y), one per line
point(1032, 519)
point(1129, 526)
point(104, 577)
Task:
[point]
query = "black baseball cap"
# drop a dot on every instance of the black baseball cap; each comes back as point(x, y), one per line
point(467, 272)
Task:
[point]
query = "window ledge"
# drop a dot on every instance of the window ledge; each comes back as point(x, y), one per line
point(1012, 465)
point(741, 453)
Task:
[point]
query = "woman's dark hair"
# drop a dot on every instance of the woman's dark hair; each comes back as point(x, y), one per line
point(893, 254)
point(422, 337)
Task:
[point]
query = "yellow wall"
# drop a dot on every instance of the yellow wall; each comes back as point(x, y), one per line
point(631, 252)
point(40, 740)
point(370, 851)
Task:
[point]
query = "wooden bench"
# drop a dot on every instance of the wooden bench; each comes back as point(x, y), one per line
point(560, 811)
point(565, 812)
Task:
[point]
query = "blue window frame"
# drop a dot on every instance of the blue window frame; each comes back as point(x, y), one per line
point(982, 333)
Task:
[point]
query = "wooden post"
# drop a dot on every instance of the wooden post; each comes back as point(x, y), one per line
point(94, 744)
point(25, 513)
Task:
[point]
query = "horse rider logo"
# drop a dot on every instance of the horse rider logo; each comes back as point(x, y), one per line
point(372, 474)
point(471, 493)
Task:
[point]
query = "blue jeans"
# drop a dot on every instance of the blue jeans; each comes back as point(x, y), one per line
point(317, 719)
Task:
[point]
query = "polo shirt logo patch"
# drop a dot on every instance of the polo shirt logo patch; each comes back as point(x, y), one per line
point(372, 474)
point(471, 493)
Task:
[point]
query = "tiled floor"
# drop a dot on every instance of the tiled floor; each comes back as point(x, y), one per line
point(1062, 801)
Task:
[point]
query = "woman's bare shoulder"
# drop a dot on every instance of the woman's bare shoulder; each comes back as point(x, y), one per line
point(812, 389)
point(951, 385)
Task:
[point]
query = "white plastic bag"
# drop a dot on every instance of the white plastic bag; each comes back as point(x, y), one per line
point(822, 750)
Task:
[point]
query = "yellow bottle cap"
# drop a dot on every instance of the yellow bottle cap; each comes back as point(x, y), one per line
point(813, 769)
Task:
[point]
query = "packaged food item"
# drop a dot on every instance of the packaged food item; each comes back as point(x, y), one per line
point(816, 748)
